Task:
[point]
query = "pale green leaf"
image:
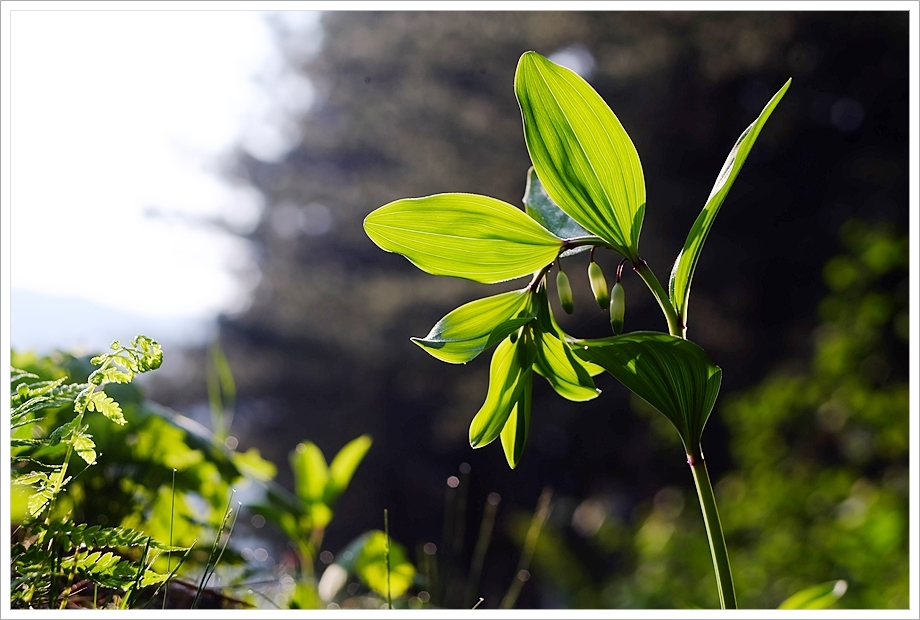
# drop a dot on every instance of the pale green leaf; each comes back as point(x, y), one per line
point(470, 329)
point(816, 597)
point(685, 265)
point(505, 381)
point(343, 466)
point(310, 472)
point(252, 464)
point(563, 370)
point(673, 375)
point(514, 434)
point(583, 156)
point(371, 566)
point(463, 235)
point(539, 206)
point(85, 446)
point(107, 406)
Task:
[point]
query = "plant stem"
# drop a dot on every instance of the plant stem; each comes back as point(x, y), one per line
point(713, 531)
point(675, 327)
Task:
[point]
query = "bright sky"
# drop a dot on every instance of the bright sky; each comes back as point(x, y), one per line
point(115, 114)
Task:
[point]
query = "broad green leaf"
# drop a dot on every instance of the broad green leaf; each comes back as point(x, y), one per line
point(539, 206)
point(251, 463)
point(463, 235)
point(470, 329)
point(343, 466)
point(816, 597)
point(310, 472)
point(685, 265)
point(514, 434)
point(509, 362)
point(564, 371)
point(583, 156)
point(673, 375)
point(371, 566)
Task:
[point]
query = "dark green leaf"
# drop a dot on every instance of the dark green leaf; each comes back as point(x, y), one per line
point(672, 374)
point(816, 597)
point(547, 213)
point(470, 329)
point(583, 156)
point(685, 265)
point(463, 235)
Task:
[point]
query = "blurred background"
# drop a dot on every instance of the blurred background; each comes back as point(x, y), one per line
point(291, 127)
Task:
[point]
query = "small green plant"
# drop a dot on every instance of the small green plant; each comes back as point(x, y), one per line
point(586, 190)
point(52, 554)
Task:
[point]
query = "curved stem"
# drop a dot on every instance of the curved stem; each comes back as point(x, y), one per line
point(713, 531)
point(675, 327)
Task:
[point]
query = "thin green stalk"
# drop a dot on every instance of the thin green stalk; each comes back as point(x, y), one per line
point(713, 531)
point(172, 516)
point(675, 327)
point(386, 552)
point(544, 507)
point(482, 545)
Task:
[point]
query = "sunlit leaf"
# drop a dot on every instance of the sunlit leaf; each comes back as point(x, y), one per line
point(564, 371)
point(685, 265)
point(470, 329)
point(514, 434)
point(85, 447)
point(252, 464)
point(310, 472)
point(509, 362)
point(107, 406)
point(816, 597)
point(547, 213)
point(463, 235)
point(583, 156)
point(672, 374)
point(343, 466)
point(371, 565)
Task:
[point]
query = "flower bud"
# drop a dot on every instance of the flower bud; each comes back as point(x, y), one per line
point(617, 308)
point(565, 292)
point(598, 285)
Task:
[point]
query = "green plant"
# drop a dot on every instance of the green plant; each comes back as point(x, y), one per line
point(586, 190)
point(52, 554)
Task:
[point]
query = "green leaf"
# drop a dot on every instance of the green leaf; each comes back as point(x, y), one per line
point(463, 235)
point(514, 433)
point(85, 446)
point(310, 472)
point(563, 370)
point(470, 329)
point(539, 206)
point(816, 597)
point(343, 466)
point(685, 265)
point(509, 362)
point(251, 463)
point(673, 375)
point(371, 565)
point(107, 406)
point(583, 156)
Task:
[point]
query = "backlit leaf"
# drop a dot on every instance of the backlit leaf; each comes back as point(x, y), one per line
point(509, 362)
point(685, 265)
point(470, 329)
point(371, 566)
point(310, 471)
point(463, 235)
point(514, 434)
point(564, 371)
point(583, 156)
point(343, 466)
point(816, 597)
point(673, 375)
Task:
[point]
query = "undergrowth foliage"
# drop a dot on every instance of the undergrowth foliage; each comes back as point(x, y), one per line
point(52, 557)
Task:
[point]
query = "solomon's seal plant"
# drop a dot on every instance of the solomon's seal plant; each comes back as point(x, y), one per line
point(585, 191)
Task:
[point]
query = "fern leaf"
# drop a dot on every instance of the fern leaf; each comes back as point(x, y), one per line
point(107, 406)
point(17, 374)
point(85, 446)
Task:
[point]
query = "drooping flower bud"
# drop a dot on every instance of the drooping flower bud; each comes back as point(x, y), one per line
point(617, 308)
point(599, 285)
point(565, 292)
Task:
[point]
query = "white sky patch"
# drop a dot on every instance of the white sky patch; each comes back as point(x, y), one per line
point(118, 113)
